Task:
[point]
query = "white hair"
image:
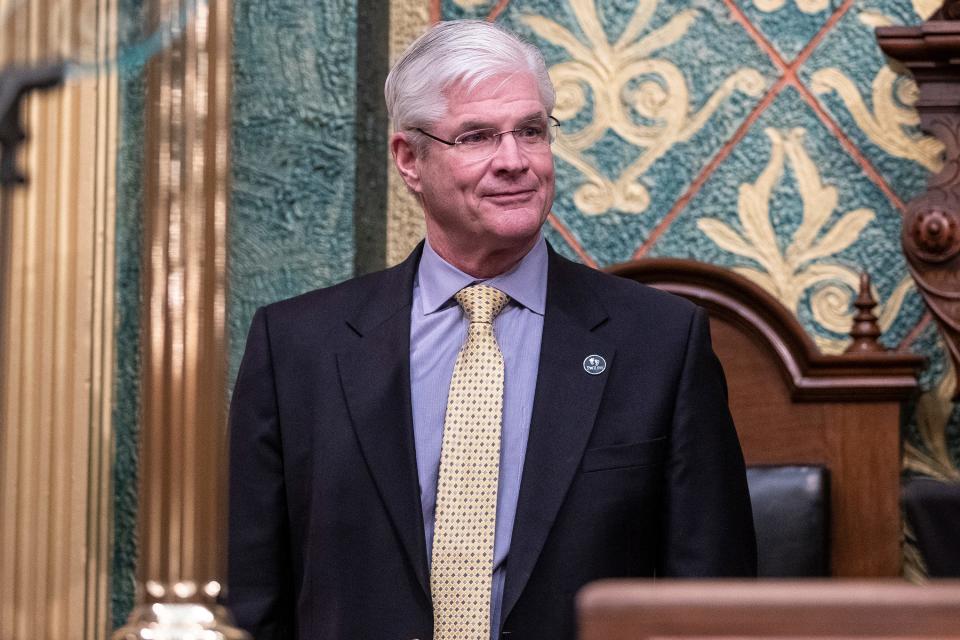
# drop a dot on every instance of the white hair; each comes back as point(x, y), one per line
point(458, 52)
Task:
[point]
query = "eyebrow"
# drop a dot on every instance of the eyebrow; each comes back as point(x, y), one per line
point(471, 125)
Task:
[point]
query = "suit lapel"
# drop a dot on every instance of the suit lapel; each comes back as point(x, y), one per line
point(565, 405)
point(375, 376)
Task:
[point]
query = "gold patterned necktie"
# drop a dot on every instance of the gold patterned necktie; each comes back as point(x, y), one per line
point(463, 534)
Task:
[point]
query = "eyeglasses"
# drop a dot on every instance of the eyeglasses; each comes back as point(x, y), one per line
point(534, 135)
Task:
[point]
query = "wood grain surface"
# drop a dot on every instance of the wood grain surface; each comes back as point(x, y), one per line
point(637, 609)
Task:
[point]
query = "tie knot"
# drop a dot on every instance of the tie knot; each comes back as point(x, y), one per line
point(481, 303)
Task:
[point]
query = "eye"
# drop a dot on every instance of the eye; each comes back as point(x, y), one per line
point(476, 138)
point(531, 131)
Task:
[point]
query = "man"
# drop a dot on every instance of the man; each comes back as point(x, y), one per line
point(416, 456)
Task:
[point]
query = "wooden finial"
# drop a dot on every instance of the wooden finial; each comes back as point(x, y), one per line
point(865, 331)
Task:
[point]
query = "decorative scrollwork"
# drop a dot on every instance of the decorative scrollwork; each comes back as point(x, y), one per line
point(933, 458)
point(891, 124)
point(642, 99)
point(893, 98)
point(788, 274)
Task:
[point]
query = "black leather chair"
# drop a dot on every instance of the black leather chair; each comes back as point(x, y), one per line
point(933, 509)
point(791, 514)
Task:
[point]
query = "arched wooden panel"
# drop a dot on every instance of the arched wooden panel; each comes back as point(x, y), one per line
point(792, 404)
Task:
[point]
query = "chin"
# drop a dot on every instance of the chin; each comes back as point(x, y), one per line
point(517, 222)
point(515, 236)
point(520, 222)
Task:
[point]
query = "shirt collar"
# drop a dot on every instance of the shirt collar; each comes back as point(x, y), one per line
point(526, 283)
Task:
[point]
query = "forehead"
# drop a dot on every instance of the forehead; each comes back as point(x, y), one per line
point(499, 100)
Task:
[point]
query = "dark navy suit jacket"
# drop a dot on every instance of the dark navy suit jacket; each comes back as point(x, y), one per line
point(636, 471)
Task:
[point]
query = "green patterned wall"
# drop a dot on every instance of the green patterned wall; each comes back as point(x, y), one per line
point(293, 156)
point(766, 136)
point(129, 247)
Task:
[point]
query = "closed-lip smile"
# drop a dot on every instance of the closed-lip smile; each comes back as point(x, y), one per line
point(510, 194)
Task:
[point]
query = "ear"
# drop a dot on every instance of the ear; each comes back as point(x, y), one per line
point(405, 157)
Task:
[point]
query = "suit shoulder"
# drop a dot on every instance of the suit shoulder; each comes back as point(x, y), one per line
point(334, 303)
point(619, 294)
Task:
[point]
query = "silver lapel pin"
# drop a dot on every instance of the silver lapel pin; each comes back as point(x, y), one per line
point(594, 364)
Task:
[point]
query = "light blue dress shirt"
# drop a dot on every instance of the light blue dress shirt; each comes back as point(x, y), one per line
point(438, 329)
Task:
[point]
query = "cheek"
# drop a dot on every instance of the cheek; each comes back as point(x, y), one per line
point(449, 186)
point(548, 168)
point(547, 180)
point(466, 184)
point(543, 167)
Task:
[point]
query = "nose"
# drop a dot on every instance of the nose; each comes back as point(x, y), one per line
point(509, 157)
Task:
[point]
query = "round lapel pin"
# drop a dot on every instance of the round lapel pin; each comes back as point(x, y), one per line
point(594, 364)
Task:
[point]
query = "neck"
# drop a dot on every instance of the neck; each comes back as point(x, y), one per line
point(487, 264)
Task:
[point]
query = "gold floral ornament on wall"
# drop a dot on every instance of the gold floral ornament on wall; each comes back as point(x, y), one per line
point(788, 275)
point(661, 98)
point(933, 415)
point(929, 457)
point(892, 125)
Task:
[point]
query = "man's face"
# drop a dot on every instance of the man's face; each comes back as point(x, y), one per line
point(492, 205)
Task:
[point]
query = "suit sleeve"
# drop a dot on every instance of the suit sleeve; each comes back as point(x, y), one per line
point(708, 521)
point(260, 589)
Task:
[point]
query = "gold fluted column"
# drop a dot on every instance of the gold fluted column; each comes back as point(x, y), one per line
point(405, 226)
point(56, 340)
point(183, 447)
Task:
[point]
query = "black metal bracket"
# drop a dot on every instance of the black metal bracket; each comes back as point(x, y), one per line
point(15, 84)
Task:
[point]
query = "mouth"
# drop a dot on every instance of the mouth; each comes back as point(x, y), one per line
point(506, 197)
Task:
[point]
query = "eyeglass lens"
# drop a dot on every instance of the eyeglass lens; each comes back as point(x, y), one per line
point(533, 134)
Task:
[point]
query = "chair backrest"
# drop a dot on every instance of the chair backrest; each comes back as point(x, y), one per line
point(932, 508)
point(794, 405)
point(797, 609)
point(791, 514)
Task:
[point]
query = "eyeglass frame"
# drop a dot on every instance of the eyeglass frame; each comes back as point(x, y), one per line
point(551, 122)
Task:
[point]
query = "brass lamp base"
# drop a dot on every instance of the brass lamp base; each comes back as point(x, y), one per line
point(180, 611)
